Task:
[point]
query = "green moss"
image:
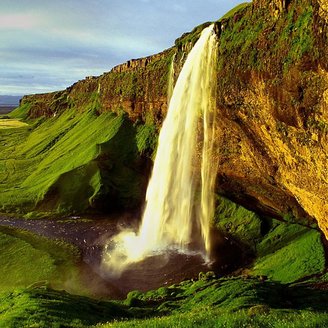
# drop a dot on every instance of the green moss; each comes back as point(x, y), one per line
point(235, 10)
point(235, 220)
point(262, 41)
point(150, 80)
point(26, 258)
point(159, 70)
point(297, 35)
point(49, 309)
point(127, 84)
point(289, 252)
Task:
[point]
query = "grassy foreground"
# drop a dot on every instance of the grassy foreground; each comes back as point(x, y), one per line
point(207, 302)
point(282, 287)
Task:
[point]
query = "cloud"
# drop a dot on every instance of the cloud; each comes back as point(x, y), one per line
point(23, 21)
point(55, 43)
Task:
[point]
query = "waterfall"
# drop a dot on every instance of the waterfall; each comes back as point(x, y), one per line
point(179, 198)
point(170, 86)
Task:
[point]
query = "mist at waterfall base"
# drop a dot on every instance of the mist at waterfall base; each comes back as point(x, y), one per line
point(179, 200)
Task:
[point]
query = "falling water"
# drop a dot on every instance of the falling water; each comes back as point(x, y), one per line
point(179, 198)
point(171, 80)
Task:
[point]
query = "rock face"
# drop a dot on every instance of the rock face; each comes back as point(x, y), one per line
point(276, 7)
point(272, 134)
point(272, 104)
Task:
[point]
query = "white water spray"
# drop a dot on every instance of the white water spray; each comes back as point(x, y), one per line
point(179, 199)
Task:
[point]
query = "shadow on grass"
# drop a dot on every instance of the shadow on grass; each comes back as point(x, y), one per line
point(48, 308)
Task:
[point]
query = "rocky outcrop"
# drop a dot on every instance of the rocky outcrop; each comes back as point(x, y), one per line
point(276, 7)
point(272, 104)
point(323, 9)
point(137, 87)
point(136, 64)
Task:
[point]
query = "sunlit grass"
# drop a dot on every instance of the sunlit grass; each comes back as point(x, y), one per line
point(11, 123)
point(64, 163)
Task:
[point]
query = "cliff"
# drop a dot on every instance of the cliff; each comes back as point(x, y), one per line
point(272, 98)
point(272, 103)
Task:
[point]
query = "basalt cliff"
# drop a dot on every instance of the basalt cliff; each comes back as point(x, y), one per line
point(272, 123)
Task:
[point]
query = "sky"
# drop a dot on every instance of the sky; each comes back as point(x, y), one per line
point(47, 45)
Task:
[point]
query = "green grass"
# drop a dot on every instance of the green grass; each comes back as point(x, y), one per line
point(290, 252)
point(66, 163)
point(27, 259)
point(30, 260)
point(45, 308)
point(233, 302)
point(235, 10)
point(209, 318)
point(11, 123)
point(225, 302)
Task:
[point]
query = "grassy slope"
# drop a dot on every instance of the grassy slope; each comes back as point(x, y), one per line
point(234, 10)
point(289, 252)
point(282, 251)
point(50, 309)
point(65, 163)
point(207, 302)
point(27, 259)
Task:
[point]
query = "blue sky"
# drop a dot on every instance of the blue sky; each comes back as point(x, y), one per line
point(46, 45)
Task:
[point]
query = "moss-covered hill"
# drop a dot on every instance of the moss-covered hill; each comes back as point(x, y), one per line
point(74, 162)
